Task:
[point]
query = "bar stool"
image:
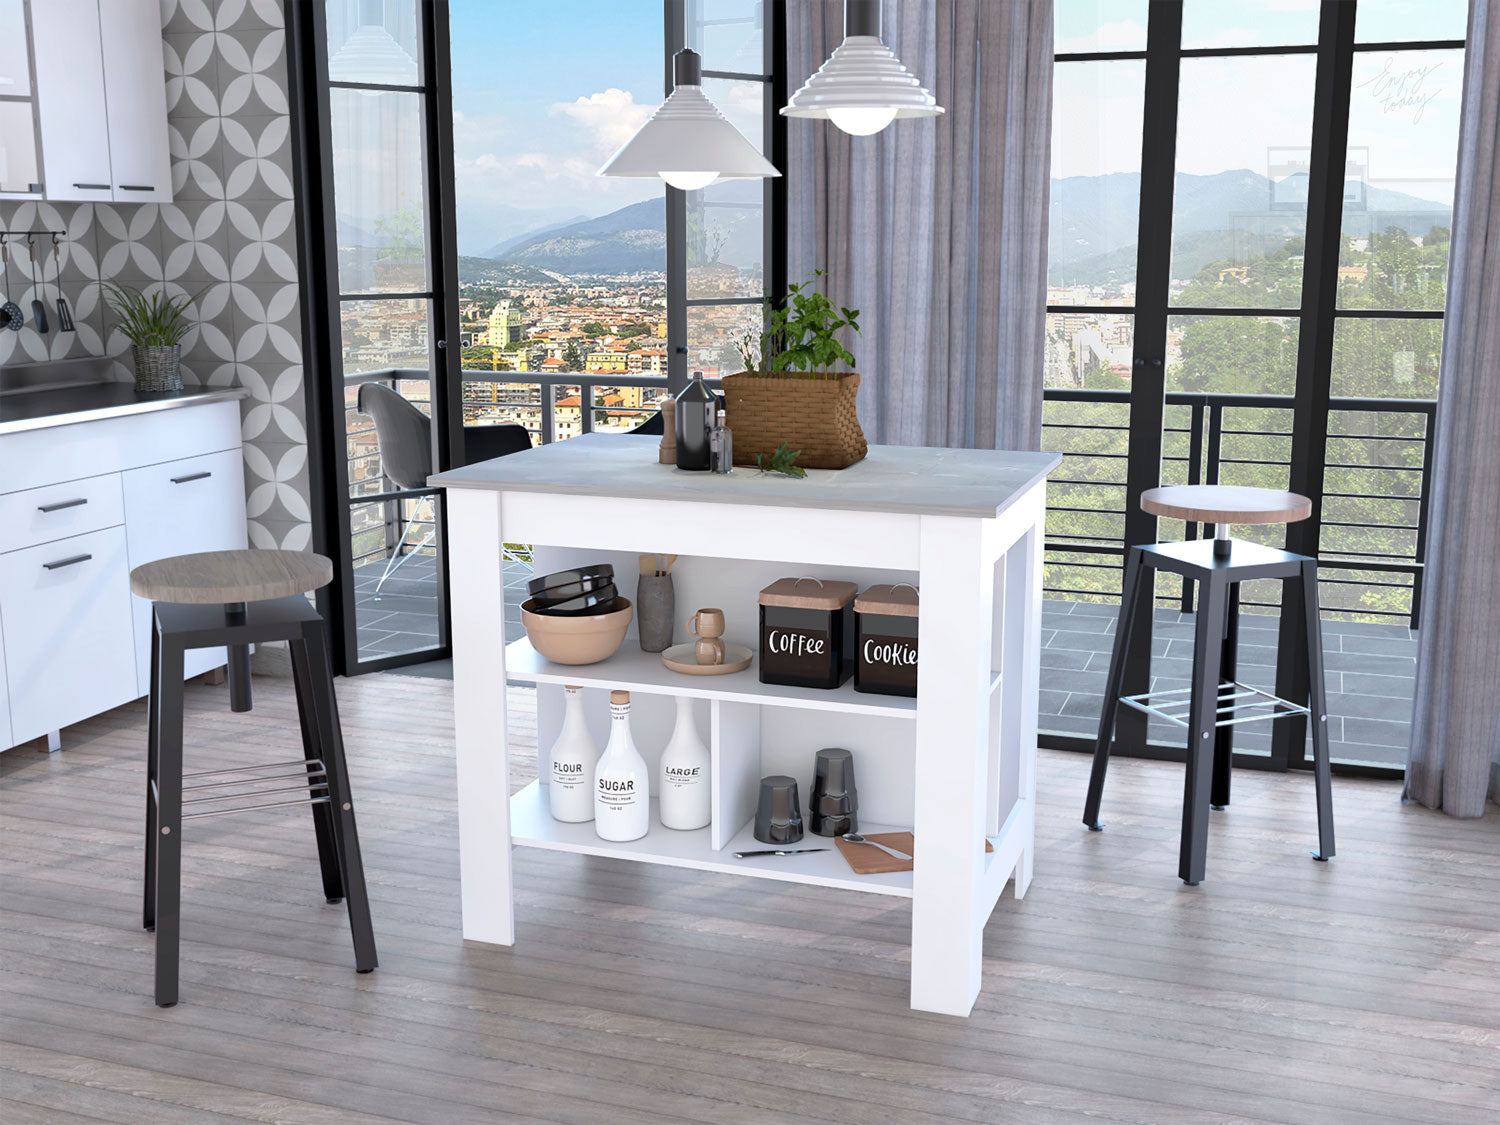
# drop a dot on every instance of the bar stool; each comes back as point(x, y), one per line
point(1216, 702)
point(240, 598)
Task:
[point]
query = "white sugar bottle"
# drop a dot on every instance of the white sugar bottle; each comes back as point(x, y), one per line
point(622, 784)
point(574, 756)
point(682, 784)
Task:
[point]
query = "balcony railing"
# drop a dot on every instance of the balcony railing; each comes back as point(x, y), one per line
point(1375, 501)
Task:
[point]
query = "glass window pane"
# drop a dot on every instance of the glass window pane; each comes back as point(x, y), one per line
point(726, 240)
point(1403, 21)
point(1249, 23)
point(492, 404)
point(1380, 358)
point(1239, 209)
point(402, 614)
point(1232, 354)
point(378, 158)
point(379, 335)
point(1099, 25)
point(728, 34)
point(1398, 187)
point(743, 103)
point(1088, 349)
point(715, 333)
point(375, 41)
point(1096, 183)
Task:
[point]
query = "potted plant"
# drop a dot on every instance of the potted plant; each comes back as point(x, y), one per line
point(155, 326)
point(798, 389)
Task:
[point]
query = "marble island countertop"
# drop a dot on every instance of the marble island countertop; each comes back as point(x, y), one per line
point(916, 480)
point(90, 402)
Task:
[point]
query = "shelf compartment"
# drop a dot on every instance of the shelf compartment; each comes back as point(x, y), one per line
point(531, 825)
point(634, 670)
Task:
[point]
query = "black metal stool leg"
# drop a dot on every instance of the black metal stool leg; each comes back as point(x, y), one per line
point(1207, 648)
point(331, 747)
point(1224, 736)
point(168, 754)
point(1318, 704)
point(322, 813)
point(1129, 595)
point(153, 709)
point(239, 662)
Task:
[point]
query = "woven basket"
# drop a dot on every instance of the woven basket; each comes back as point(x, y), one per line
point(158, 367)
point(817, 416)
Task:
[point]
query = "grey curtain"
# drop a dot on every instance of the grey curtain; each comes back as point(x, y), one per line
point(936, 230)
point(1454, 760)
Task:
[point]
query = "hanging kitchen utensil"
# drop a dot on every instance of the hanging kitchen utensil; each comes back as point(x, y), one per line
point(64, 314)
point(10, 313)
point(38, 310)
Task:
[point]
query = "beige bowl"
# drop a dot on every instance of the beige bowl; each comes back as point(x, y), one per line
point(576, 640)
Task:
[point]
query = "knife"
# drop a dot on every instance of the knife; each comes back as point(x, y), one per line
point(777, 851)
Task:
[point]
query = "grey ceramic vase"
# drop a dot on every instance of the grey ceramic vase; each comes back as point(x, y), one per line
point(655, 611)
point(158, 367)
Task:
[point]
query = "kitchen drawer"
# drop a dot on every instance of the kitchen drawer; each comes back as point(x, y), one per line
point(69, 648)
point(57, 511)
point(179, 508)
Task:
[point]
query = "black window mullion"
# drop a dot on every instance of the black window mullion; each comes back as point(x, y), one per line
point(674, 36)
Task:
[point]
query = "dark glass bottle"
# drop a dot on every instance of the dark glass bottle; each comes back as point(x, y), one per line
point(696, 409)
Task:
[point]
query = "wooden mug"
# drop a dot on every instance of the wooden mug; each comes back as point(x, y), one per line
point(708, 626)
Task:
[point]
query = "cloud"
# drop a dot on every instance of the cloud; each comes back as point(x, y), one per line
point(610, 117)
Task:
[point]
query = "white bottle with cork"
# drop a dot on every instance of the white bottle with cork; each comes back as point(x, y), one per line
point(682, 783)
point(622, 784)
point(570, 793)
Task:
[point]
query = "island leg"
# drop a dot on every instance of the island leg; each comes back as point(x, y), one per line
point(476, 584)
point(1021, 686)
point(952, 759)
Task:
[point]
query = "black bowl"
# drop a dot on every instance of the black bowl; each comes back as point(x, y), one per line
point(546, 601)
point(565, 584)
point(599, 601)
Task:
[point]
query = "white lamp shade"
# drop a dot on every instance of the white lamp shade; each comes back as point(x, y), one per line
point(862, 82)
point(685, 140)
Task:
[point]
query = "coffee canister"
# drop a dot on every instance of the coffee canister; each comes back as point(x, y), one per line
point(806, 632)
point(886, 640)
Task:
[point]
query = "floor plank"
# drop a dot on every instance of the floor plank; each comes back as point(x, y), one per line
point(1364, 990)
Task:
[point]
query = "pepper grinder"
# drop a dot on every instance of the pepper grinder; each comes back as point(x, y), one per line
point(696, 408)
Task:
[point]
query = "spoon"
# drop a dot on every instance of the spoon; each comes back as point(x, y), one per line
point(856, 838)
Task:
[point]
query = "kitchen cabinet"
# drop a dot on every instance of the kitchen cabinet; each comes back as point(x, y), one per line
point(101, 100)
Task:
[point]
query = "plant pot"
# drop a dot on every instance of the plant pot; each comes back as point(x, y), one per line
point(158, 367)
point(812, 412)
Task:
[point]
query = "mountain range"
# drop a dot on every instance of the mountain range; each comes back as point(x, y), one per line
point(1093, 226)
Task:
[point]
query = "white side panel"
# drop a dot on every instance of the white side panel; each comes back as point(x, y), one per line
point(135, 85)
point(736, 768)
point(5, 738)
point(70, 99)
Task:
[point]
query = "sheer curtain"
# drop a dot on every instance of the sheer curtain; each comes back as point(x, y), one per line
point(936, 229)
point(1454, 759)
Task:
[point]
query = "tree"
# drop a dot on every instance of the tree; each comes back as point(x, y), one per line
point(594, 328)
point(572, 356)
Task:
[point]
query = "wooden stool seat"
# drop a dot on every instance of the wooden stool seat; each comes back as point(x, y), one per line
point(229, 577)
point(1225, 504)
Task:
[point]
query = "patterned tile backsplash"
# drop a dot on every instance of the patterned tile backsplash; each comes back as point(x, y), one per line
point(227, 243)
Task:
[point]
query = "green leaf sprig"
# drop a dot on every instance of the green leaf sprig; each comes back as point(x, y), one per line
point(783, 460)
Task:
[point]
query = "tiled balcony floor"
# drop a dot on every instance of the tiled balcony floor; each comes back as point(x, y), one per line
point(1370, 672)
point(404, 616)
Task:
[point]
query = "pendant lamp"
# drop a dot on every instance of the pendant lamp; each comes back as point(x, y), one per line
point(862, 87)
point(687, 141)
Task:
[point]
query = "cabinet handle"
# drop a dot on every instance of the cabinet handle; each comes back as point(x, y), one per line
point(136, 187)
point(60, 563)
point(92, 187)
point(61, 504)
point(191, 476)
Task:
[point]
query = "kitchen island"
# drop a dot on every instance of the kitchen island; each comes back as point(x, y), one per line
point(955, 765)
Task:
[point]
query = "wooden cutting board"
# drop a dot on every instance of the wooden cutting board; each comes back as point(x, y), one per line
point(866, 860)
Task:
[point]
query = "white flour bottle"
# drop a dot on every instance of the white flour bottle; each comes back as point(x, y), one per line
point(622, 785)
point(682, 783)
point(574, 756)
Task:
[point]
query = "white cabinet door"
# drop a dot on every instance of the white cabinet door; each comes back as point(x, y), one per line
point(5, 738)
point(69, 646)
point(178, 508)
point(70, 99)
point(135, 86)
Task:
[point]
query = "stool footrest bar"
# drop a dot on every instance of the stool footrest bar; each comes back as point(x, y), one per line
point(1241, 698)
point(257, 793)
point(257, 808)
point(301, 774)
point(249, 769)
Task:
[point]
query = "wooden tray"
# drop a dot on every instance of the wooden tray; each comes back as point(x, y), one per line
point(865, 860)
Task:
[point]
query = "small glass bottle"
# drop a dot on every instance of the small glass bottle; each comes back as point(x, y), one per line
point(574, 755)
point(721, 446)
point(622, 782)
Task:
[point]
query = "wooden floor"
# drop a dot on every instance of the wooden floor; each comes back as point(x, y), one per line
point(1365, 990)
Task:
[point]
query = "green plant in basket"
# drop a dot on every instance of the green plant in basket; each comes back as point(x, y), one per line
point(155, 321)
point(802, 334)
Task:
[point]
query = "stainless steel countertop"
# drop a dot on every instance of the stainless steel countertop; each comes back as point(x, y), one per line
point(91, 402)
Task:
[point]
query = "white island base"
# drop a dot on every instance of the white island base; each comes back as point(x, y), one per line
point(956, 765)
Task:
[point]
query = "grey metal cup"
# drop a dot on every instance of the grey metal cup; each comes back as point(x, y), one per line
point(778, 815)
point(833, 809)
point(655, 611)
